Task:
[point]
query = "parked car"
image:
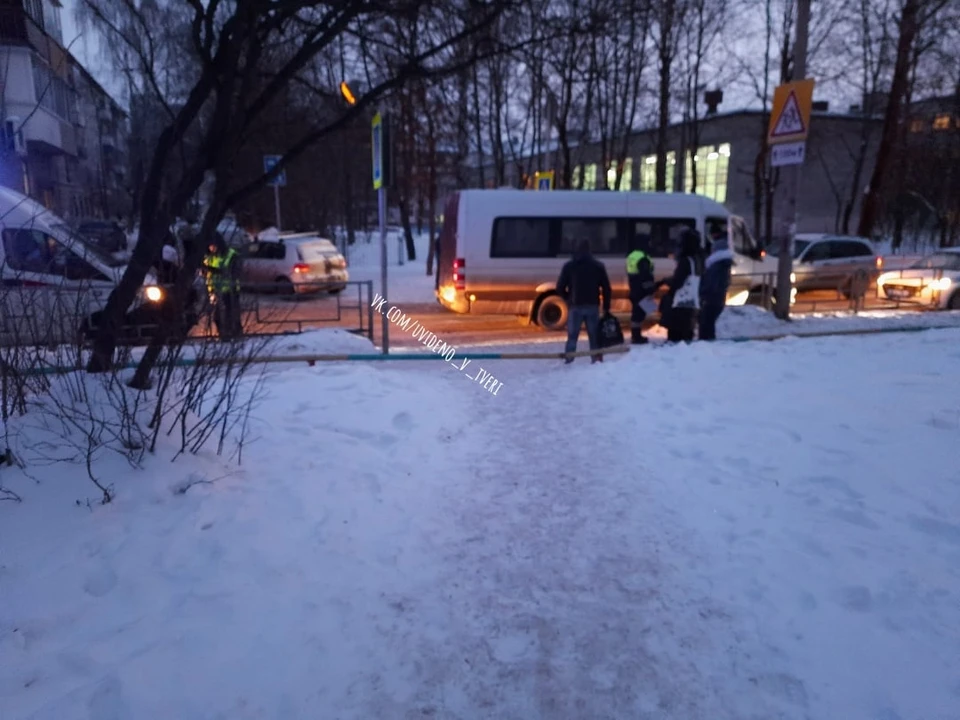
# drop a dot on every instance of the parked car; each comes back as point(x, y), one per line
point(55, 283)
point(832, 262)
point(107, 235)
point(294, 264)
point(933, 280)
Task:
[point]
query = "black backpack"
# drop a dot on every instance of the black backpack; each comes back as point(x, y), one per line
point(610, 332)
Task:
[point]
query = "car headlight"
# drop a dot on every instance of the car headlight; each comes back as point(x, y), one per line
point(941, 284)
point(793, 277)
point(153, 293)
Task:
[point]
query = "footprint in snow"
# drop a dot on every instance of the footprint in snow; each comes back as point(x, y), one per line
point(99, 582)
point(106, 702)
point(402, 421)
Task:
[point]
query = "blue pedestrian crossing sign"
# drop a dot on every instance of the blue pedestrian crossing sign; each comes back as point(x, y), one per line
point(545, 180)
point(376, 141)
point(269, 163)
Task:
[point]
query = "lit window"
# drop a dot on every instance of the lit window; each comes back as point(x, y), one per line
point(648, 173)
point(590, 177)
point(916, 125)
point(941, 122)
point(626, 178)
point(711, 165)
point(575, 177)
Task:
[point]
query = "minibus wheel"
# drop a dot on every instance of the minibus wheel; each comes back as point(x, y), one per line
point(551, 313)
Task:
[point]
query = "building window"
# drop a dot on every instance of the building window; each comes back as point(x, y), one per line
point(575, 177)
point(712, 165)
point(52, 92)
point(942, 122)
point(648, 172)
point(626, 177)
point(917, 125)
point(590, 177)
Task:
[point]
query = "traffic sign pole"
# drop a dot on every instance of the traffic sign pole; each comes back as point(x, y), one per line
point(795, 101)
point(379, 141)
point(269, 163)
point(276, 205)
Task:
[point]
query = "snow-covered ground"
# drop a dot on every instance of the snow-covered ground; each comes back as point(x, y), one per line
point(407, 283)
point(720, 531)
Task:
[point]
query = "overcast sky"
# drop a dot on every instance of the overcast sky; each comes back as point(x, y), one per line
point(741, 41)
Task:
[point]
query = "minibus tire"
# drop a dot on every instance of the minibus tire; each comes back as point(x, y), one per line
point(551, 313)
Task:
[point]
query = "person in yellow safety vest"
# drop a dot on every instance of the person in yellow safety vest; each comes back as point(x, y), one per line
point(223, 285)
point(642, 285)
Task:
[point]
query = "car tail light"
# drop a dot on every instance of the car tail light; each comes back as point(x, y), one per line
point(459, 274)
point(879, 263)
point(301, 268)
point(763, 254)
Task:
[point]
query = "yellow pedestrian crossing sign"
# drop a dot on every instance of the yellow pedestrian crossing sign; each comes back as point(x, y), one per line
point(790, 116)
point(545, 180)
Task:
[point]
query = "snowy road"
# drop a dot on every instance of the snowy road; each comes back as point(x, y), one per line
point(726, 532)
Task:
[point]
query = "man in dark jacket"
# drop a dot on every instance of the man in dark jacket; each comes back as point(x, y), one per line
point(680, 320)
point(581, 283)
point(714, 285)
point(642, 286)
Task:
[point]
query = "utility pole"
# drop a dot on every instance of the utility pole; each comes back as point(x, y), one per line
point(792, 172)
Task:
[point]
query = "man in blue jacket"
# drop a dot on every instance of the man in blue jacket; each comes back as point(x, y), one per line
point(714, 285)
point(581, 283)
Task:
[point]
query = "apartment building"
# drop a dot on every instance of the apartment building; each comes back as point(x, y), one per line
point(64, 138)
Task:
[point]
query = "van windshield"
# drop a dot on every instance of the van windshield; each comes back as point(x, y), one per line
point(71, 238)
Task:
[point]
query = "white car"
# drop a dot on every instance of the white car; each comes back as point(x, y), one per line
point(933, 280)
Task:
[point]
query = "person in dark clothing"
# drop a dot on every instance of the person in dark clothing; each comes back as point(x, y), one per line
point(680, 320)
point(582, 281)
point(714, 285)
point(642, 286)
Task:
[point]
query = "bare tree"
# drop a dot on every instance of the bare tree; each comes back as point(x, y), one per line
point(246, 57)
point(669, 17)
point(912, 17)
point(704, 24)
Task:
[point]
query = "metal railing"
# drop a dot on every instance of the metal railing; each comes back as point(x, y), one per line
point(58, 315)
point(838, 292)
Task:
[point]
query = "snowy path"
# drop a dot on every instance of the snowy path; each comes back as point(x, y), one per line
point(730, 532)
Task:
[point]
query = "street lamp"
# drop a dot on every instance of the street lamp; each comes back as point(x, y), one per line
point(347, 93)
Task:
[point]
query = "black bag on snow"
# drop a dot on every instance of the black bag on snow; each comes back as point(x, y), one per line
point(610, 332)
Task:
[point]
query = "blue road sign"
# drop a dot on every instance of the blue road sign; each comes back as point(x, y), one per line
point(376, 141)
point(269, 163)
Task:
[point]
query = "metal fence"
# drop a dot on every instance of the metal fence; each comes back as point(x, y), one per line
point(848, 292)
point(57, 315)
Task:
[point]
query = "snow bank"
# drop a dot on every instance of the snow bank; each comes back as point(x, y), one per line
point(722, 531)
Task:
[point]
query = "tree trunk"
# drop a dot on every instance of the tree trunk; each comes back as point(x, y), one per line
point(666, 60)
point(404, 204)
point(908, 28)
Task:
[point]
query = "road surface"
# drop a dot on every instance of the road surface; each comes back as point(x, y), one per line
point(266, 314)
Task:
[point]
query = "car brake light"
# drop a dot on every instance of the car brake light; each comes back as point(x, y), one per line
point(301, 268)
point(763, 254)
point(459, 276)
